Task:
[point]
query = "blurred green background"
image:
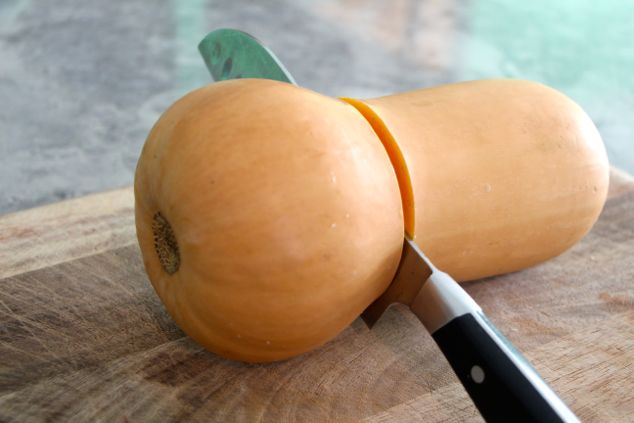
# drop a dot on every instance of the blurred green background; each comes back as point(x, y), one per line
point(581, 47)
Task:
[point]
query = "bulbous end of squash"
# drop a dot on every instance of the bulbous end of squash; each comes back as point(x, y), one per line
point(269, 217)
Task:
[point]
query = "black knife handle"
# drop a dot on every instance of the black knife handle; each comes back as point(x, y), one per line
point(502, 384)
point(497, 386)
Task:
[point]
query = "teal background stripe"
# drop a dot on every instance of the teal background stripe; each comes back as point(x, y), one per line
point(581, 47)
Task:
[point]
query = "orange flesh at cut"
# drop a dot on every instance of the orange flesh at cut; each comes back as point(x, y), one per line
point(396, 158)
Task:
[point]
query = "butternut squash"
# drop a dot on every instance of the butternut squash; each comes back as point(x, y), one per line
point(270, 216)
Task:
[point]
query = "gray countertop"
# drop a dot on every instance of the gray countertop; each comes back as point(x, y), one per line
point(82, 82)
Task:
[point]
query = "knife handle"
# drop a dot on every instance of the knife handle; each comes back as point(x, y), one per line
point(500, 381)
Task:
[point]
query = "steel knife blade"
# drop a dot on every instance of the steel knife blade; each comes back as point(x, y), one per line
point(410, 287)
point(231, 54)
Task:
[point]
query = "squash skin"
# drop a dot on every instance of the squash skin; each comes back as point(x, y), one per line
point(505, 173)
point(286, 211)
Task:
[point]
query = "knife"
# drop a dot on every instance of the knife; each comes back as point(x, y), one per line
point(500, 381)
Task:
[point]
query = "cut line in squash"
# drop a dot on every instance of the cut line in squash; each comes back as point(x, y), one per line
point(396, 158)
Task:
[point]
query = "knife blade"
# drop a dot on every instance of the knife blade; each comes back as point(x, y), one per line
point(500, 381)
point(232, 54)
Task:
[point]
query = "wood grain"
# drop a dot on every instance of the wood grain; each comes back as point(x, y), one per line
point(59, 232)
point(83, 337)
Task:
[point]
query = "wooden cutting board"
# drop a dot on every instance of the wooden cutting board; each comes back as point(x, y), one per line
point(83, 337)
